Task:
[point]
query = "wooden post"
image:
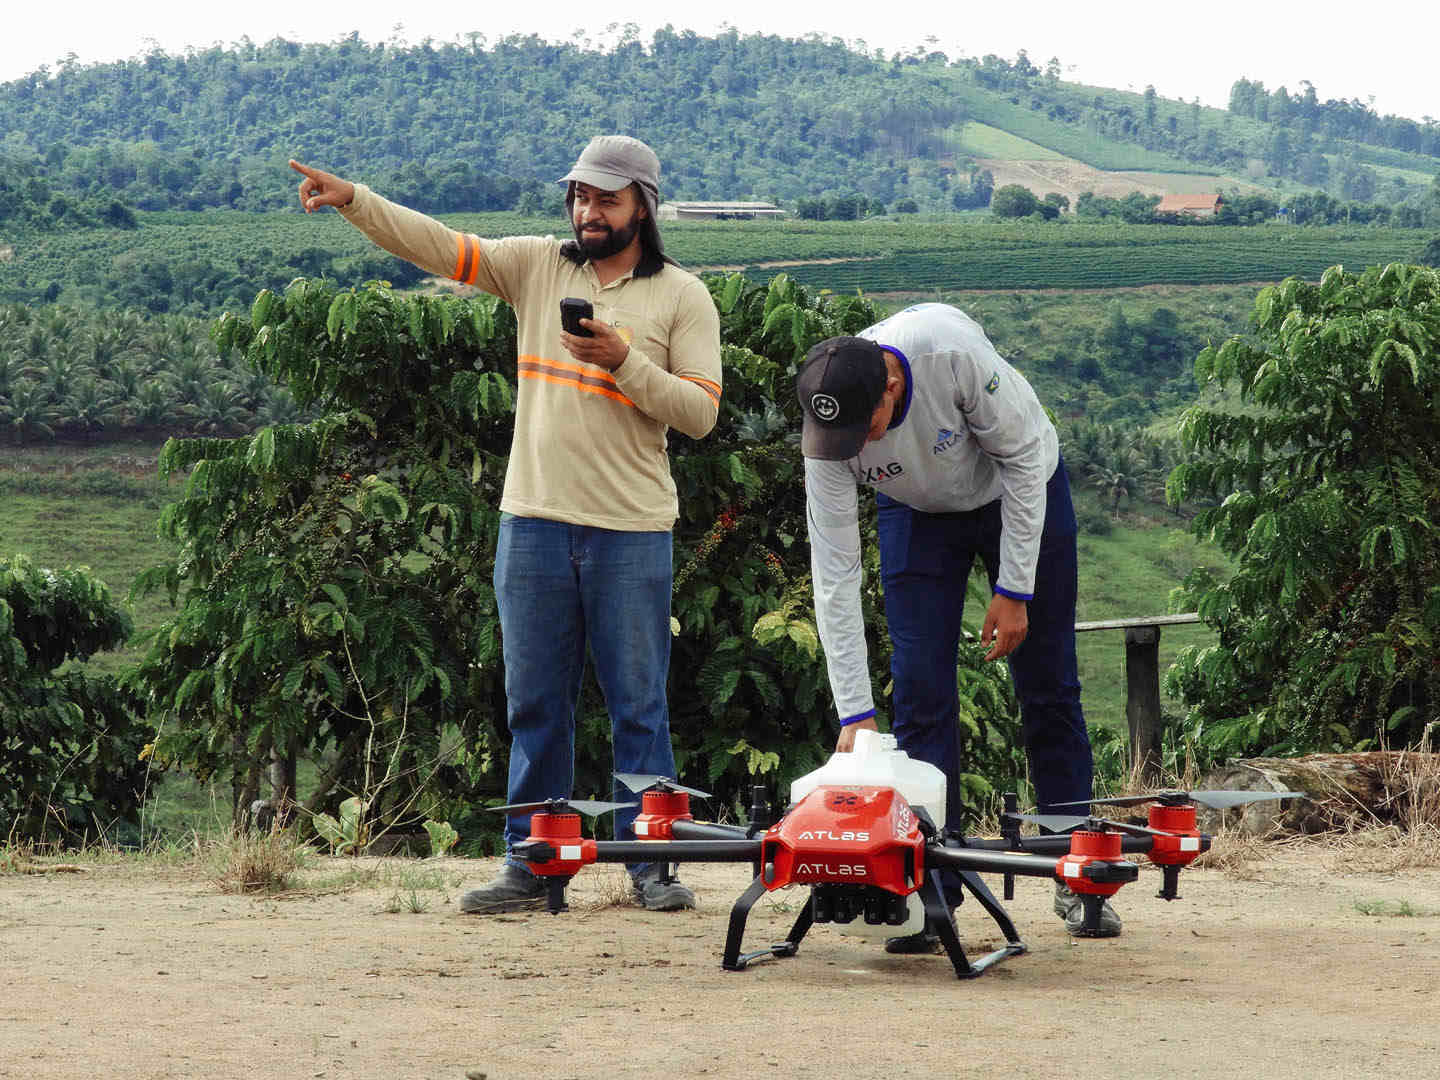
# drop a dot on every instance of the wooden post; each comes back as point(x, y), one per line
point(1142, 701)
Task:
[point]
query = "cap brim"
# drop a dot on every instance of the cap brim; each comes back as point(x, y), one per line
point(832, 443)
point(595, 178)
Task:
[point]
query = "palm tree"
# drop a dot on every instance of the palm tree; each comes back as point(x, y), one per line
point(219, 410)
point(1119, 479)
point(193, 374)
point(153, 406)
point(107, 344)
point(89, 408)
point(11, 372)
point(28, 412)
point(127, 376)
point(59, 372)
point(255, 388)
point(279, 408)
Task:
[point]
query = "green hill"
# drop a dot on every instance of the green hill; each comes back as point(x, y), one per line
point(454, 127)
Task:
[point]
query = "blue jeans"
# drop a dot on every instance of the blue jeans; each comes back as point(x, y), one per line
point(925, 563)
point(560, 587)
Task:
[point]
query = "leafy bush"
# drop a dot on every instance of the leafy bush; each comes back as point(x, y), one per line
point(1330, 492)
point(70, 746)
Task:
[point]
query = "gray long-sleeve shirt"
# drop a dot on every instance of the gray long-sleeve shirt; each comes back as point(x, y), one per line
point(969, 431)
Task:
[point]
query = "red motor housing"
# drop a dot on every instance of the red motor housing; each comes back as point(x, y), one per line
point(1087, 848)
point(1183, 846)
point(659, 810)
point(562, 832)
point(846, 835)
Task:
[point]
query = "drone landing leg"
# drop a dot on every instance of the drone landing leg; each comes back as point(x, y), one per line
point(733, 960)
point(1170, 888)
point(940, 920)
point(982, 893)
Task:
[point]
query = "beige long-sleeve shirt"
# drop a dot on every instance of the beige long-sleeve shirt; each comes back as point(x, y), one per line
point(589, 445)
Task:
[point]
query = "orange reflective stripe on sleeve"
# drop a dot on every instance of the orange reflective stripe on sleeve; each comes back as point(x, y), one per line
point(467, 258)
point(711, 388)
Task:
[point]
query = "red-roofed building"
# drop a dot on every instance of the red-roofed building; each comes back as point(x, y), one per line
point(1203, 205)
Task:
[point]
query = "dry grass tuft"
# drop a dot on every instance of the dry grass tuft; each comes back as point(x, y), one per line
point(1381, 849)
point(249, 862)
point(612, 890)
point(1235, 854)
point(16, 858)
point(1412, 785)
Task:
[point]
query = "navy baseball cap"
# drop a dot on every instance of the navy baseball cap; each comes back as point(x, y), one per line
point(841, 383)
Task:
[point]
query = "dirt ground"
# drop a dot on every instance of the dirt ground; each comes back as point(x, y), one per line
point(1073, 178)
point(1280, 973)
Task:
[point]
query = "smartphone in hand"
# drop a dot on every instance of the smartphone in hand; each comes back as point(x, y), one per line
point(572, 310)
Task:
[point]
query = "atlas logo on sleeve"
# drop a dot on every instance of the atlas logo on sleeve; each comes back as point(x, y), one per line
point(825, 407)
point(944, 439)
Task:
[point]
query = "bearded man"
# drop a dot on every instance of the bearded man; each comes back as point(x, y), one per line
point(584, 554)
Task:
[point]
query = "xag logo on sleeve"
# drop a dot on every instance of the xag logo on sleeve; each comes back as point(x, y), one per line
point(824, 407)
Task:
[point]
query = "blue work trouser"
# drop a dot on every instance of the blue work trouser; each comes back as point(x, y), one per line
point(559, 588)
point(925, 562)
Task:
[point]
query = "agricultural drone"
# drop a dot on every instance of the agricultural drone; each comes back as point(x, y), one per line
point(868, 855)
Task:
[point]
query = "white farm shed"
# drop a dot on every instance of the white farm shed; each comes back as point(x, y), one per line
point(717, 211)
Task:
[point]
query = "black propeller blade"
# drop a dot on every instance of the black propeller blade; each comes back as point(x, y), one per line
point(1059, 823)
point(1215, 800)
point(1064, 823)
point(561, 806)
point(639, 782)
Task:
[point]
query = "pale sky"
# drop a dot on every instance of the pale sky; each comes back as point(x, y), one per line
point(1185, 50)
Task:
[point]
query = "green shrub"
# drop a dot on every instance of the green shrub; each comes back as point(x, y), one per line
point(70, 746)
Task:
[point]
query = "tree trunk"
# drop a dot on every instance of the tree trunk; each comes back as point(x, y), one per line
point(1390, 787)
point(282, 780)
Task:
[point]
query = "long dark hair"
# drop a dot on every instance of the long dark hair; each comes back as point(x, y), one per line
point(652, 250)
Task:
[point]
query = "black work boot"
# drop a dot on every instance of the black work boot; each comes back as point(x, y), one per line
point(653, 894)
point(513, 889)
point(1071, 908)
point(923, 941)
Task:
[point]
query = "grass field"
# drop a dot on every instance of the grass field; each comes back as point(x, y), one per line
point(1126, 574)
point(983, 141)
point(94, 507)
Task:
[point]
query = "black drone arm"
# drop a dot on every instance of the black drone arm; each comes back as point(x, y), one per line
point(1025, 865)
point(640, 851)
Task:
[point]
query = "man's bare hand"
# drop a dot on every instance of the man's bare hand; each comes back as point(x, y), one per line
point(845, 744)
point(606, 349)
point(1006, 623)
point(322, 188)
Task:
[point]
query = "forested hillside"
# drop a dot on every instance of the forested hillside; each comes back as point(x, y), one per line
point(473, 128)
point(489, 125)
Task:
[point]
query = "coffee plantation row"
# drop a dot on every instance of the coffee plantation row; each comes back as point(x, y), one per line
point(200, 264)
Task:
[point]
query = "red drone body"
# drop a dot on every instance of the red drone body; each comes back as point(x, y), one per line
point(846, 835)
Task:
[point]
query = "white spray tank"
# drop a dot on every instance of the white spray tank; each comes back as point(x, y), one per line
point(876, 762)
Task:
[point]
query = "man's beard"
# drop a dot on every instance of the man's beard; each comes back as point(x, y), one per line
point(610, 242)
